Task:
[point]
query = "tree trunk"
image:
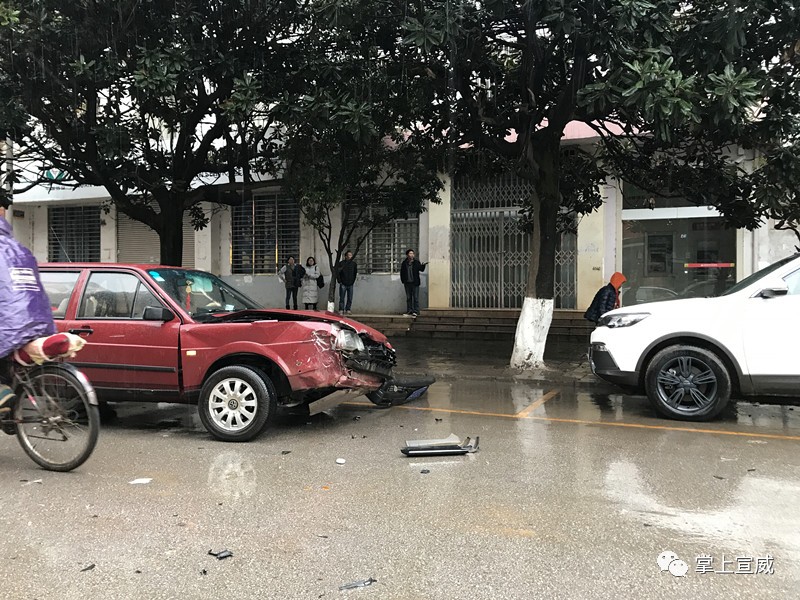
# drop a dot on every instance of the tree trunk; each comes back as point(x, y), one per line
point(537, 308)
point(332, 293)
point(171, 232)
point(332, 288)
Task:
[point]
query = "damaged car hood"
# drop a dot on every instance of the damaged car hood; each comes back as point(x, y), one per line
point(253, 315)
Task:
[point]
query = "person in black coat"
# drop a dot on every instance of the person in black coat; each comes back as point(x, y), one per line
point(291, 275)
point(410, 269)
point(606, 298)
point(346, 273)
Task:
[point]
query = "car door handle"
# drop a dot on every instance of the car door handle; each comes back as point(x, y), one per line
point(82, 330)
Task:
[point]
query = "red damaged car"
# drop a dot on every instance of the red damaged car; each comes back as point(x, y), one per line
point(166, 334)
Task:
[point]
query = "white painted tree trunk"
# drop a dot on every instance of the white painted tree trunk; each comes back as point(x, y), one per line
point(532, 327)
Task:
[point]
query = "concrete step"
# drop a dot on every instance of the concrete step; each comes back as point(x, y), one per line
point(496, 313)
point(389, 325)
point(492, 324)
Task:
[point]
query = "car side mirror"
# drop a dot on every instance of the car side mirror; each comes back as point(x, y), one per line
point(158, 313)
point(773, 291)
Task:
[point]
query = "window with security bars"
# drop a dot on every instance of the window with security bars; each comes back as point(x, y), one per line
point(265, 233)
point(73, 234)
point(386, 246)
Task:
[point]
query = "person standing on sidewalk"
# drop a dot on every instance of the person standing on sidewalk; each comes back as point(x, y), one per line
point(410, 269)
point(292, 277)
point(346, 273)
point(606, 298)
point(310, 287)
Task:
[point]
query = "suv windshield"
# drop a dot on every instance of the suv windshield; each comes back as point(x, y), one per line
point(200, 293)
point(759, 274)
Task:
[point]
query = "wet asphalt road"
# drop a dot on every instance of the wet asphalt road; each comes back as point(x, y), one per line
point(573, 494)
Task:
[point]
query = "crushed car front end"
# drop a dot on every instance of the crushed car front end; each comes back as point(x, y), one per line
point(345, 359)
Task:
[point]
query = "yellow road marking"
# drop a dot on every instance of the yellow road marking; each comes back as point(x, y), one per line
point(774, 436)
point(434, 409)
point(548, 396)
point(528, 417)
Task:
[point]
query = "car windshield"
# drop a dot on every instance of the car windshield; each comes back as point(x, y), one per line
point(747, 281)
point(201, 294)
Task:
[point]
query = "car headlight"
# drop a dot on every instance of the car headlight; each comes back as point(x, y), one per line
point(349, 340)
point(622, 320)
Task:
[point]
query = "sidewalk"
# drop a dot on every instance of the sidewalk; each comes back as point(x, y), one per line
point(477, 359)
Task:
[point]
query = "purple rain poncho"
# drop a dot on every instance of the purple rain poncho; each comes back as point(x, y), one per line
point(25, 312)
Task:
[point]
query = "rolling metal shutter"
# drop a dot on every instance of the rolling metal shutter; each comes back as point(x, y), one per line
point(138, 244)
point(73, 234)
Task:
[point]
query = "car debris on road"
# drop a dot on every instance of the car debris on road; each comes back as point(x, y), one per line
point(452, 445)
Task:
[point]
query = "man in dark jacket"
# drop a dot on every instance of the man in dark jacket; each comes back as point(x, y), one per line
point(410, 269)
point(606, 298)
point(347, 271)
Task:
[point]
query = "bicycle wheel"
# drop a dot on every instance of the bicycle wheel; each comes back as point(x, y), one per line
point(57, 426)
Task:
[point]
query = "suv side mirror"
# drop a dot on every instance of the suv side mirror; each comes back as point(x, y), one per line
point(774, 290)
point(158, 313)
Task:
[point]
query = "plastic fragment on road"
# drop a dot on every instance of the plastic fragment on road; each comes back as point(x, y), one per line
point(221, 554)
point(141, 481)
point(358, 584)
point(89, 568)
point(425, 471)
point(340, 461)
point(449, 446)
point(285, 452)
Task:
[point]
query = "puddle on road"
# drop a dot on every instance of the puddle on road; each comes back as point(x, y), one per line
point(496, 397)
point(749, 512)
point(745, 413)
point(232, 476)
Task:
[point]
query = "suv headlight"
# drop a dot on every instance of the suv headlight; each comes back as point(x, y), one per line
point(348, 340)
point(623, 320)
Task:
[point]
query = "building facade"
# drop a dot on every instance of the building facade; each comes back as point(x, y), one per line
point(472, 239)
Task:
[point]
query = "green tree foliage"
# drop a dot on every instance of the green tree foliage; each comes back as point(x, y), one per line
point(165, 103)
point(359, 146)
point(669, 86)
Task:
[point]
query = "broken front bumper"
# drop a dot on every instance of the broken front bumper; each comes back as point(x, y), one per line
point(375, 359)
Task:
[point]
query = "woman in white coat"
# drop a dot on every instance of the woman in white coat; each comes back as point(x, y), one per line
point(310, 288)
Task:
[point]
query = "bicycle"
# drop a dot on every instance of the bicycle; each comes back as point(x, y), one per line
point(54, 414)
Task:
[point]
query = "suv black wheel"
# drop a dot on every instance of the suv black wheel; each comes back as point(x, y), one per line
point(236, 402)
point(687, 383)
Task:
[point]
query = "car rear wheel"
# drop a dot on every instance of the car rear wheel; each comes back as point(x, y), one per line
point(235, 403)
point(687, 383)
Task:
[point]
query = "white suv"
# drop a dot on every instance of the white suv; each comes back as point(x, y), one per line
point(690, 355)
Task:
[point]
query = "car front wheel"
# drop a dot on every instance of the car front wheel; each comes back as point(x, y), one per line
point(235, 403)
point(687, 383)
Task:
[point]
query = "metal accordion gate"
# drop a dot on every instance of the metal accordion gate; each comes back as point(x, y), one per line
point(490, 249)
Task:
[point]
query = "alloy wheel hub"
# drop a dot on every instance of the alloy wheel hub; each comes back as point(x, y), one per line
point(233, 404)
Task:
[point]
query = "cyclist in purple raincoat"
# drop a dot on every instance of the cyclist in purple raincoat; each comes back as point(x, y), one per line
point(25, 312)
